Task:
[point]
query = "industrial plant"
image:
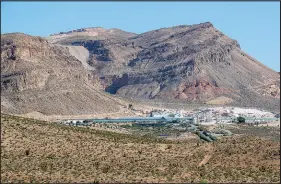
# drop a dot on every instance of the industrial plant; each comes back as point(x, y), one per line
point(185, 121)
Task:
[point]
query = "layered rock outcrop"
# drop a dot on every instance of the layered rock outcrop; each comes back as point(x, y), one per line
point(192, 63)
point(39, 76)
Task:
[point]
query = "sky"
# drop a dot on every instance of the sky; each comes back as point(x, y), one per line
point(255, 25)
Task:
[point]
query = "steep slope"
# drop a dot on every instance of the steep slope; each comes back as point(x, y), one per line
point(195, 63)
point(47, 78)
point(110, 49)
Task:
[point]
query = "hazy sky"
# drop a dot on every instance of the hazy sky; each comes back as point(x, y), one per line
point(255, 25)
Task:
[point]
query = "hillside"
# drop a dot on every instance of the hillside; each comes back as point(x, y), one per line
point(193, 63)
point(37, 151)
point(50, 79)
point(69, 73)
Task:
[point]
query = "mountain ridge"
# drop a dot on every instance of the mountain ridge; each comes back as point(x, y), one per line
point(192, 63)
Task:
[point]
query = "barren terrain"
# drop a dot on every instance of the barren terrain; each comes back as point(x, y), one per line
point(38, 151)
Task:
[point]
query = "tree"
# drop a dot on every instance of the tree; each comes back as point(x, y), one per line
point(241, 119)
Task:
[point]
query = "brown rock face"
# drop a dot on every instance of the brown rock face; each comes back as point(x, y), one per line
point(39, 76)
point(200, 90)
point(29, 62)
point(191, 63)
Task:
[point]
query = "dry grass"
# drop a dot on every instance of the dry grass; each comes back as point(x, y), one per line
point(222, 100)
point(37, 151)
point(267, 132)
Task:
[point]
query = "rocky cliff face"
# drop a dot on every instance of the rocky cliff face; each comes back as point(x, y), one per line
point(30, 63)
point(110, 50)
point(48, 78)
point(194, 63)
